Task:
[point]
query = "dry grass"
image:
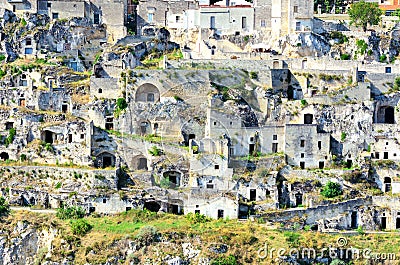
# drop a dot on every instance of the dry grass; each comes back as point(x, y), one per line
point(111, 235)
point(80, 99)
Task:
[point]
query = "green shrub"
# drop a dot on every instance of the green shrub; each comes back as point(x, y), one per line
point(23, 22)
point(23, 157)
point(253, 75)
point(345, 56)
point(177, 98)
point(362, 46)
point(303, 102)
point(58, 185)
point(10, 138)
point(343, 136)
point(80, 227)
point(196, 218)
point(121, 103)
point(147, 235)
point(382, 58)
point(331, 190)
point(72, 212)
point(48, 147)
point(229, 260)
point(2, 57)
point(165, 183)
point(396, 84)
point(155, 151)
point(4, 208)
point(292, 238)
point(2, 73)
point(360, 230)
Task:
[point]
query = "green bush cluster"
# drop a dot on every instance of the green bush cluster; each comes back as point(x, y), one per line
point(4, 208)
point(80, 227)
point(155, 151)
point(253, 75)
point(10, 138)
point(71, 212)
point(229, 260)
point(196, 218)
point(331, 190)
point(147, 235)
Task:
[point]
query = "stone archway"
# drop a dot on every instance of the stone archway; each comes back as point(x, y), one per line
point(139, 163)
point(385, 114)
point(147, 93)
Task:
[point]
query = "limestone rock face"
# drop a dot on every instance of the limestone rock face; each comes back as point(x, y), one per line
point(25, 244)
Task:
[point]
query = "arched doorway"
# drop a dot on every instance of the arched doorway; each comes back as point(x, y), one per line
point(147, 93)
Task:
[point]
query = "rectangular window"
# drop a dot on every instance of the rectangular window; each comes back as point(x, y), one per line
point(212, 22)
point(298, 26)
point(177, 19)
point(262, 23)
point(96, 19)
point(244, 22)
point(150, 17)
point(275, 137)
point(302, 143)
point(48, 5)
point(319, 145)
point(55, 15)
point(296, 9)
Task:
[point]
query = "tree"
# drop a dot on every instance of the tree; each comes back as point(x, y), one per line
point(362, 13)
point(331, 190)
point(396, 13)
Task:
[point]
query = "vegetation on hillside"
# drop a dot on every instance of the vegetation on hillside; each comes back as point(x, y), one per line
point(98, 239)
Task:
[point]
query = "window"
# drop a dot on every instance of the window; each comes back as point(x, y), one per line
point(150, 17)
point(215, 123)
point(82, 136)
point(216, 166)
point(196, 211)
point(296, 9)
point(244, 22)
point(96, 19)
point(28, 41)
point(251, 139)
point(274, 137)
point(302, 155)
point(388, 70)
point(49, 5)
point(302, 165)
point(262, 23)
point(104, 200)
point(298, 26)
point(177, 19)
point(212, 22)
point(302, 143)
point(150, 97)
point(100, 90)
point(319, 145)
point(55, 15)
point(220, 214)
